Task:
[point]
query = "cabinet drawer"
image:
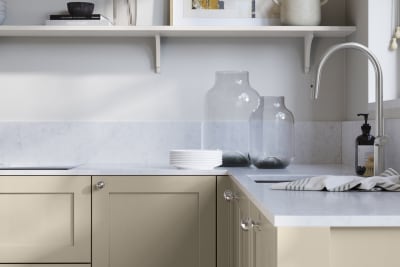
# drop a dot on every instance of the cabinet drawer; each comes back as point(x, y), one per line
point(45, 219)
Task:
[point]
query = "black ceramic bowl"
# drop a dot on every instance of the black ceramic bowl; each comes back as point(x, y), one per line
point(80, 9)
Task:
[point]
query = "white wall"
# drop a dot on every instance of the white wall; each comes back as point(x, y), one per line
point(374, 22)
point(356, 93)
point(112, 79)
point(380, 28)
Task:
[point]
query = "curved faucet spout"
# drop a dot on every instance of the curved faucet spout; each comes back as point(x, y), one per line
point(379, 139)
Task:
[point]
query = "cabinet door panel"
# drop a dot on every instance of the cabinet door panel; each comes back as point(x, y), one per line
point(154, 221)
point(241, 237)
point(225, 230)
point(45, 219)
point(263, 240)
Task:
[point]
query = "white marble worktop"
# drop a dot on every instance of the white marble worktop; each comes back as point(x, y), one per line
point(319, 208)
point(282, 208)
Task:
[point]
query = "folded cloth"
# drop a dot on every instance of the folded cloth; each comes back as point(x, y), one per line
point(389, 180)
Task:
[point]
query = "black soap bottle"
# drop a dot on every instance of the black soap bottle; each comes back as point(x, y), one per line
point(364, 149)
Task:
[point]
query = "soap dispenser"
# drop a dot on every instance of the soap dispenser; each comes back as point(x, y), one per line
point(364, 149)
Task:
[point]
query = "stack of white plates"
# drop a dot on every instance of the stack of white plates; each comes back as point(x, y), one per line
point(195, 159)
point(3, 10)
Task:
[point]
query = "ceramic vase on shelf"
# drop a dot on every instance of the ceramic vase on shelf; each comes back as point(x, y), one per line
point(300, 12)
point(272, 134)
point(124, 12)
point(3, 11)
point(228, 106)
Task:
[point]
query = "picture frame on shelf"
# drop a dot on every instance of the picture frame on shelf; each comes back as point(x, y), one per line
point(223, 12)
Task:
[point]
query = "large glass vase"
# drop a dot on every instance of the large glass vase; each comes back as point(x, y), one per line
point(228, 106)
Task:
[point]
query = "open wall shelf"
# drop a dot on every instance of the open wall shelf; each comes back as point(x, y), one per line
point(158, 32)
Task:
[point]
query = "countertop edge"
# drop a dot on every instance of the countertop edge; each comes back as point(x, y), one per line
point(257, 193)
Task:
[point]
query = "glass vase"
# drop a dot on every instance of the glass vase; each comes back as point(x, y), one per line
point(272, 134)
point(228, 106)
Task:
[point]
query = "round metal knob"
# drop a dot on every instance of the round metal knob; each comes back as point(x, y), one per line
point(100, 185)
point(229, 195)
point(256, 225)
point(246, 224)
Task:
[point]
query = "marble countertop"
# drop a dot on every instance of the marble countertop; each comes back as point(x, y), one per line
point(282, 208)
point(318, 208)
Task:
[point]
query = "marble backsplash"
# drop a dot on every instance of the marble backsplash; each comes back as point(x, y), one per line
point(143, 143)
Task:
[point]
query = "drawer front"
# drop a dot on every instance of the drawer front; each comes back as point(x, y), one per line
point(45, 219)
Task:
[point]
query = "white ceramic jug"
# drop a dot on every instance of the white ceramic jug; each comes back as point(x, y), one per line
point(300, 12)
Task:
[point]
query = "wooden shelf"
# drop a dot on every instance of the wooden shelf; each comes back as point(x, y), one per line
point(157, 32)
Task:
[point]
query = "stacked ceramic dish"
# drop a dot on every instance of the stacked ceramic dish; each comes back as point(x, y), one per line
point(195, 159)
point(3, 11)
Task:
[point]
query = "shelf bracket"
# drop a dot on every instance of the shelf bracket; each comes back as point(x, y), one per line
point(308, 39)
point(158, 53)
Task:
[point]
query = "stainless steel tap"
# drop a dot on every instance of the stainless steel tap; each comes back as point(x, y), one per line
point(380, 137)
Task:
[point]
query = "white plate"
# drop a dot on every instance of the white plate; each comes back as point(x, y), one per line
point(195, 167)
point(216, 153)
point(195, 158)
point(198, 163)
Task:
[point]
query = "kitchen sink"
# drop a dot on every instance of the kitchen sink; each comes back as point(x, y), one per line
point(275, 178)
point(30, 167)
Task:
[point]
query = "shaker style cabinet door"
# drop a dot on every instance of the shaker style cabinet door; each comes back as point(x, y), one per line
point(45, 219)
point(154, 221)
point(263, 240)
point(242, 229)
point(225, 200)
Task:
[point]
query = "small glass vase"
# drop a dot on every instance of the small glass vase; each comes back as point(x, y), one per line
point(272, 134)
point(228, 106)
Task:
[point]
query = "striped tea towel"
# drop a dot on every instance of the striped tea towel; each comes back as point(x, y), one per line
point(389, 180)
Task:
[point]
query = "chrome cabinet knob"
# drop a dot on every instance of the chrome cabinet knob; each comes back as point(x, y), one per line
point(246, 224)
point(256, 225)
point(229, 195)
point(100, 185)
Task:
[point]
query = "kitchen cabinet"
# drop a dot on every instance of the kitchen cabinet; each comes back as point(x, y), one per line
point(257, 243)
point(308, 33)
point(263, 240)
point(154, 221)
point(242, 227)
point(225, 229)
point(45, 219)
point(233, 225)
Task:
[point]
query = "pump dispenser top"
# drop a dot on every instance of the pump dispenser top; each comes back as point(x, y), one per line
point(365, 128)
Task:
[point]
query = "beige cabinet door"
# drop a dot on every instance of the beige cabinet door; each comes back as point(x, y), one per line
point(154, 221)
point(45, 219)
point(225, 199)
point(242, 229)
point(263, 240)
